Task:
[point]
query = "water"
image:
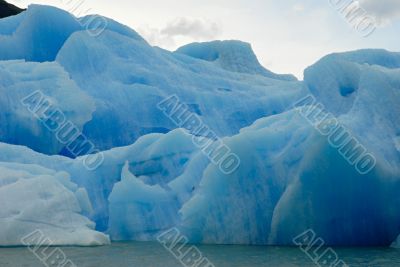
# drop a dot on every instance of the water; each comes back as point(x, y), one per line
point(136, 254)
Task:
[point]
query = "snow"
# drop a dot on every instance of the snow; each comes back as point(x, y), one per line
point(154, 175)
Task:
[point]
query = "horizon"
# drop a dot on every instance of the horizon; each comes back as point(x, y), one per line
point(282, 48)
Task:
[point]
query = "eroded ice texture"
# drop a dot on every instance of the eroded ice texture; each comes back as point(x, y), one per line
point(154, 177)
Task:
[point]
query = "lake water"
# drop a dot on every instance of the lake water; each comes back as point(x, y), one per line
point(137, 254)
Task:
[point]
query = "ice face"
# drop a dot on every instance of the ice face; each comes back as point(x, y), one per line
point(32, 91)
point(270, 152)
point(292, 177)
point(138, 211)
point(39, 200)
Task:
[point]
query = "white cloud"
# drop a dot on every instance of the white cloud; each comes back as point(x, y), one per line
point(385, 11)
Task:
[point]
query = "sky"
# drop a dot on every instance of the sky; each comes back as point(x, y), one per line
point(286, 35)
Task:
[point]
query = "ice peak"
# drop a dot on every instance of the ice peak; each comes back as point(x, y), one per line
point(232, 55)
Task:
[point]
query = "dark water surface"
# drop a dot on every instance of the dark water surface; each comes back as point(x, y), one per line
point(137, 254)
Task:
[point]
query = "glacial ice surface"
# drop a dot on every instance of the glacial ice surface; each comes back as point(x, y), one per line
point(154, 176)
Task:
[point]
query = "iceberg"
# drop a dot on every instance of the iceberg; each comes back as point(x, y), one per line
point(303, 164)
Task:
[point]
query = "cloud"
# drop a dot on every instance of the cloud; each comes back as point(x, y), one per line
point(154, 37)
point(298, 7)
point(181, 30)
point(194, 28)
point(385, 11)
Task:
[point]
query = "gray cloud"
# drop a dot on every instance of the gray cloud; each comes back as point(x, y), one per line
point(194, 28)
point(384, 11)
point(182, 28)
